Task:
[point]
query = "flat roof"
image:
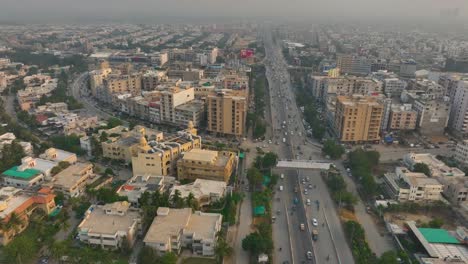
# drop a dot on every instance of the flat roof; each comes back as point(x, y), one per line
point(25, 175)
point(69, 176)
point(100, 222)
point(164, 226)
point(437, 235)
point(201, 155)
point(203, 225)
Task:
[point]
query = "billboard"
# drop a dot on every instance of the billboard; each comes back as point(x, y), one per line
point(246, 53)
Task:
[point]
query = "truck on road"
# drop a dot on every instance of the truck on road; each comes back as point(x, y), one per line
point(284, 140)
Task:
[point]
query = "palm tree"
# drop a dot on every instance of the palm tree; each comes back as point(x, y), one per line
point(222, 249)
point(190, 201)
point(176, 200)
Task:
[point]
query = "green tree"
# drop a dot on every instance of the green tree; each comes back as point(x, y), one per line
point(103, 137)
point(113, 122)
point(389, 257)
point(332, 149)
point(222, 249)
point(422, 168)
point(11, 155)
point(177, 200)
point(21, 250)
point(191, 201)
point(254, 176)
point(269, 160)
point(168, 258)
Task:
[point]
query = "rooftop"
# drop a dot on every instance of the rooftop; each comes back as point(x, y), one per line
point(201, 188)
point(97, 221)
point(25, 174)
point(69, 176)
point(436, 235)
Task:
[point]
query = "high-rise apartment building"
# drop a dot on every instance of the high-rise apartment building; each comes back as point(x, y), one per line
point(459, 110)
point(353, 64)
point(358, 118)
point(402, 117)
point(226, 114)
point(172, 98)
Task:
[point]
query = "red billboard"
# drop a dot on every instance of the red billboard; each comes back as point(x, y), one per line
point(246, 53)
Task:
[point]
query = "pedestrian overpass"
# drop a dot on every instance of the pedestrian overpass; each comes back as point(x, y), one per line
point(304, 164)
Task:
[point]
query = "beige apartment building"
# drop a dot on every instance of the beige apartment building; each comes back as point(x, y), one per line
point(175, 229)
point(72, 181)
point(123, 144)
point(405, 185)
point(227, 114)
point(118, 84)
point(402, 117)
point(160, 158)
point(358, 118)
point(172, 98)
point(206, 164)
point(108, 225)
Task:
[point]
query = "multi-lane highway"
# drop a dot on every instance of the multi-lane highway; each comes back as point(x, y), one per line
point(292, 243)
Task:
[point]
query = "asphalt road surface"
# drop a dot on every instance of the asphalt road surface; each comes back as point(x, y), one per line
point(290, 135)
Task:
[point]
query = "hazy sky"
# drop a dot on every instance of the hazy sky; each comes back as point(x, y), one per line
point(333, 9)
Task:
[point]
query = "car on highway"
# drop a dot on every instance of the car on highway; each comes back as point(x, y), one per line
point(305, 192)
point(282, 176)
point(314, 222)
point(308, 202)
point(309, 255)
point(302, 226)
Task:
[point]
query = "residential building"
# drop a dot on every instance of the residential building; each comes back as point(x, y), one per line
point(323, 87)
point(139, 184)
point(21, 177)
point(358, 118)
point(58, 155)
point(193, 111)
point(152, 79)
point(8, 138)
point(436, 166)
point(160, 157)
point(3, 81)
point(433, 116)
point(204, 191)
point(235, 80)
point(408, 68)
point(174, 229)
point(353, 64)
point(455, 189)
point(404, 186)
point(459, 110)
point(28, 97)
point(72, 181)
point(23, 204)
point(461, 152)
point(97, 78)
point(122, 144)
point(402, 117)
point(206, 164)
point(118, 84)
point(108, 225)
point(227, 114)
point(172, 98)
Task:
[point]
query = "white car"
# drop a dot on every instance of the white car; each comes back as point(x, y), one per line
point(314, 222)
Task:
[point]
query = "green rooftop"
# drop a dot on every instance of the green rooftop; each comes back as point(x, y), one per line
point(435, 235)
point(259, 210)
point(26, 174)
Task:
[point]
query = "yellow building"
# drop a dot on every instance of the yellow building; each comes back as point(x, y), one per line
point(226, 114)
point(206, 164)
point(160, 157)
point(122, 144)
point(358, 118)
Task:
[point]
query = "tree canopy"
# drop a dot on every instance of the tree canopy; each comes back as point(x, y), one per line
point(423, 168)
point(332, 149)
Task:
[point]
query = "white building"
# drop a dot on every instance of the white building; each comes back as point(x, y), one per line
point(108, 225)
point(174, 229)
point(204, 191)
